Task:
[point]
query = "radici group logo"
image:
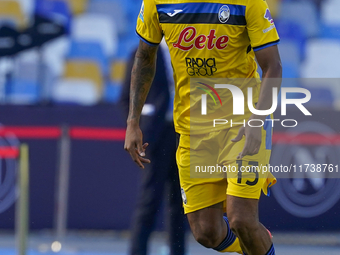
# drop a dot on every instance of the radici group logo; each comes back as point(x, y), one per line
point(201, 66)
point(236, 99)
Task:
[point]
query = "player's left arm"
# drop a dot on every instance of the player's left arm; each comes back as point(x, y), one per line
point(264, 40)
point(270, 63)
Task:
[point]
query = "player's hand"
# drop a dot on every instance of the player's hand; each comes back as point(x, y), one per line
point(133, 145)
point(253, 140)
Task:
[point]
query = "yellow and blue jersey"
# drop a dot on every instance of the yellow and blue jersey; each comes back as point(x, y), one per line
point(212, 39)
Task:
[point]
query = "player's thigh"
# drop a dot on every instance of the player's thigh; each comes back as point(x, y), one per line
point(242, 213)
point(209, 219)
point(245, 180)
point(197, 193)
point(248, 176)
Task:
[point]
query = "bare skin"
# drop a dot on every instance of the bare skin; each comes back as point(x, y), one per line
point(209, 228)
point(244, 222)
point(142, 75)
point(270, 63)
point(207, 224)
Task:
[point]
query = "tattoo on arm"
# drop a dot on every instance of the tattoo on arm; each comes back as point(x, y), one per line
point(142, 75)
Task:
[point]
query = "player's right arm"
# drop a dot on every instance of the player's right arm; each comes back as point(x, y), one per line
point(142, 75)
point(143, 72)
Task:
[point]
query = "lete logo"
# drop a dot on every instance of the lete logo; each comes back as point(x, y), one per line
point(188, 36)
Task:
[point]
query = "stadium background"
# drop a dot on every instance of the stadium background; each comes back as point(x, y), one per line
point(61, 67)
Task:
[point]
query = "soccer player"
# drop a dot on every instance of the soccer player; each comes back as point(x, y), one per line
point(227, 35)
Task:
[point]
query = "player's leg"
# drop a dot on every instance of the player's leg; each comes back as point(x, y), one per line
point(243, 193)
point(244, 190)
point(207, 225)
point(203, 198)
point(211, 229)
point(244, 221)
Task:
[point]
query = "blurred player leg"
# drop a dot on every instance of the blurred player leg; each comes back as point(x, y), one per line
point(211, 229)
point(175, 214)
point(149, 200)
point(244, 221)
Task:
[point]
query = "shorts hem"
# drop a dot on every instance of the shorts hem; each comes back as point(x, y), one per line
point(242, 195)
point(202, 206)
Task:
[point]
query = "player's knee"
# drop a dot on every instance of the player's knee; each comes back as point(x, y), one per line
point(243, 226)
point(207, 236)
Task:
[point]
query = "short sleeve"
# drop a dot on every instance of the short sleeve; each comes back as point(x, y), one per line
point(148, 27)
point(260, 25)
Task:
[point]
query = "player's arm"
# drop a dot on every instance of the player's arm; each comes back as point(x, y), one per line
point(142, 75)
point(264, 39)
point(143, 72)
point(270, 63)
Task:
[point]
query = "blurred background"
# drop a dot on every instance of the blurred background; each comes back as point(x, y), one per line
point(62, 63)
